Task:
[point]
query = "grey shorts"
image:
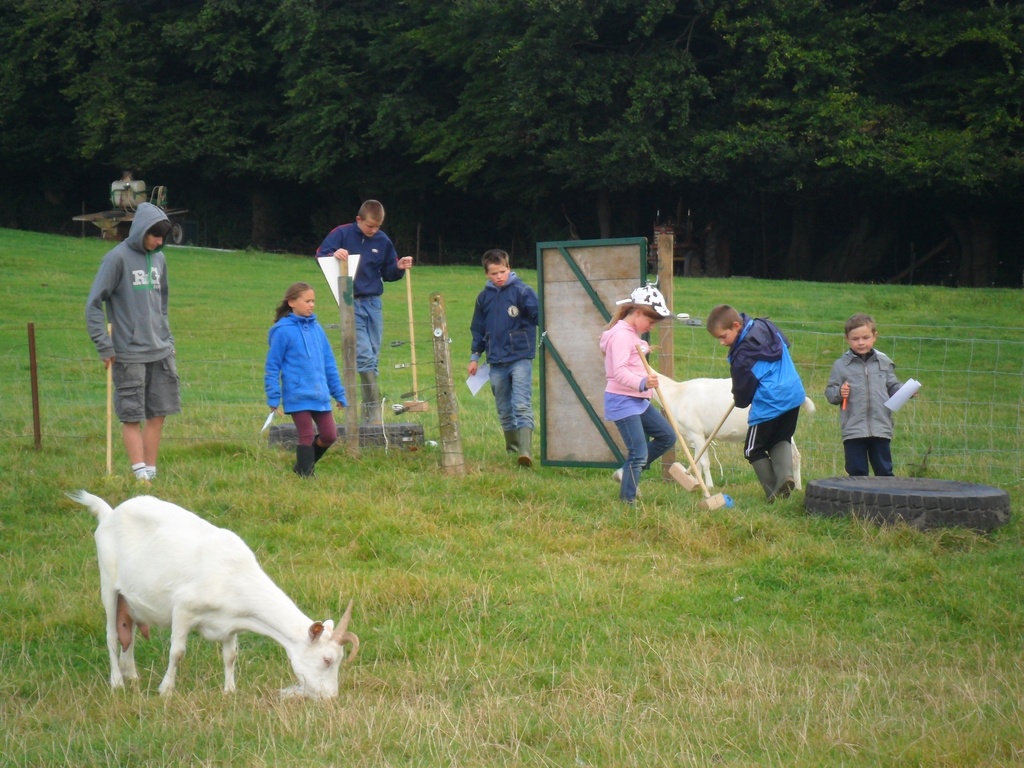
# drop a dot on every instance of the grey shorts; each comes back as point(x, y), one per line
point(145, 390)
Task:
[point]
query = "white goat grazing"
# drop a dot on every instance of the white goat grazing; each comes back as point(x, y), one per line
point(162, 565)
point(699, 404)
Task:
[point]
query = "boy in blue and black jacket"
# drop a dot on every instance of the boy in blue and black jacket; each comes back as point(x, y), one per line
point(764, 378)
point(504, 326)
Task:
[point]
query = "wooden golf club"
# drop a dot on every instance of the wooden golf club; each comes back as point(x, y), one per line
point(711, 437)
point(710, 502)
point(415, 404)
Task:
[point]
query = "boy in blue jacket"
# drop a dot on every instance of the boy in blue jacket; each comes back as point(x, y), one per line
point(504, 326)
point(763, 377)
point(378, 264)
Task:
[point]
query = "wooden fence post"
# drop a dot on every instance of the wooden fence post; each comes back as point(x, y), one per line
point(452, 461)
point(666, 265)
point(37, 430)
point(346, 310)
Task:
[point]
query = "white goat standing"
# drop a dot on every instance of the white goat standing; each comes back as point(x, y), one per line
point(699, 404)
point(162, 565)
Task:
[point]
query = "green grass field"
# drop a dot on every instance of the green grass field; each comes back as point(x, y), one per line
point(515, 617)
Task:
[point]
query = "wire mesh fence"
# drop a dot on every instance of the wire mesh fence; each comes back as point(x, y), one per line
point(967, 422)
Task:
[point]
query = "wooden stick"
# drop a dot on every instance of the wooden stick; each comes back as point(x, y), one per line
point(711, 437)
point(416, 404)
point(110, 413)
point(710, 502)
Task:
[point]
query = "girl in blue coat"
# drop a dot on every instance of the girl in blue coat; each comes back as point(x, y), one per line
point(301, 370)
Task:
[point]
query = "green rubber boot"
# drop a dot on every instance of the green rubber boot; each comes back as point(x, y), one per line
point(512, 440)
point(782, 465)
point(766, 476)
point(525, 438)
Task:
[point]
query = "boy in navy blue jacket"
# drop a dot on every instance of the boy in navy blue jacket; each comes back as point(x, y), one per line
point(378, 264)
point(763, 377)
point(505, 327)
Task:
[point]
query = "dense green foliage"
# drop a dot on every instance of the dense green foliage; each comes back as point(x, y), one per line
point(821, 137)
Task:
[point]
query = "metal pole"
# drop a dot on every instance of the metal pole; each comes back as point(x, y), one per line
point(34, 376)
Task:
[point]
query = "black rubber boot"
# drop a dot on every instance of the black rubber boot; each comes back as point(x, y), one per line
point(304, 461)
point(318, 450)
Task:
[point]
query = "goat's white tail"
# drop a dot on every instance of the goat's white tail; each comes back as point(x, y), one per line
point(808, 406)
point(97, 506)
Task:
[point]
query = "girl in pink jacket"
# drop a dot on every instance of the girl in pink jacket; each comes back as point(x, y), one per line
point(627, 394)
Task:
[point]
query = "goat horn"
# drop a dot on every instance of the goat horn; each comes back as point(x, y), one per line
point(353, 639)
point(344, 620)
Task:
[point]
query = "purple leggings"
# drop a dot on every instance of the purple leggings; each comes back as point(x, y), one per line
point(325, 426)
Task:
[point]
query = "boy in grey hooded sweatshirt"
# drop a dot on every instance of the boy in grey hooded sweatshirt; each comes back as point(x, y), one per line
point(130, 292)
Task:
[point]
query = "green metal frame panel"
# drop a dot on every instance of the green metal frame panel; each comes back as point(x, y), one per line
point(579, 282)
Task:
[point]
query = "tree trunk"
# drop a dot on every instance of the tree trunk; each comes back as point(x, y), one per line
point(797, 264)
point(604, 213)
point(979, 256)
point(861, 253)
point(265, 227)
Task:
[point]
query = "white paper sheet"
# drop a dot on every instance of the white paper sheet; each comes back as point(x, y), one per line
point(331, 268)
point(904, 393)
point(270, 418)
point(478, 379)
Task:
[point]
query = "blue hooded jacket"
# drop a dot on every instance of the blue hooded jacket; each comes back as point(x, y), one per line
point(763, 374)
point(300, 366)
point(505, 322)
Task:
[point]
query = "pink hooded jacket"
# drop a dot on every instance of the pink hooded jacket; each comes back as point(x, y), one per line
point(624, 370)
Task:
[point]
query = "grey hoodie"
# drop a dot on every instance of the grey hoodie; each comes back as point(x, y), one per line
point(132, 286)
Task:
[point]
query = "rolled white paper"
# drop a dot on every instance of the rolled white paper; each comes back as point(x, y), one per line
point(902, 394)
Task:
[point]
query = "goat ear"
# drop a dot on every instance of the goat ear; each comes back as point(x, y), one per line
point(315, 630)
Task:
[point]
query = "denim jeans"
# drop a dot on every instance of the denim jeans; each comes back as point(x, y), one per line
point(512, 384)
point(369, 314)
point(860, 451)
point(641, 452)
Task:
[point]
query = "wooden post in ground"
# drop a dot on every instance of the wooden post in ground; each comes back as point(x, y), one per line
point(666, 264)
point(349, 375)
point(33, 370)
point(452, 461)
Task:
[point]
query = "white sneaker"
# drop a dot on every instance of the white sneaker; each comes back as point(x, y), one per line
point(617, 475)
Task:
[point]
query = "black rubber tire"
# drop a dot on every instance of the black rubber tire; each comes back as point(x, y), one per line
point(177, 233)
point(918, 502)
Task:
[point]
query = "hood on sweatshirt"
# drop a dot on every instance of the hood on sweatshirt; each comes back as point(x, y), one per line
point(146, 217)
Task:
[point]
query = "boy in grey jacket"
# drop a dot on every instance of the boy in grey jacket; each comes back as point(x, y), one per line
point(130, 292)
point(860, 383)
